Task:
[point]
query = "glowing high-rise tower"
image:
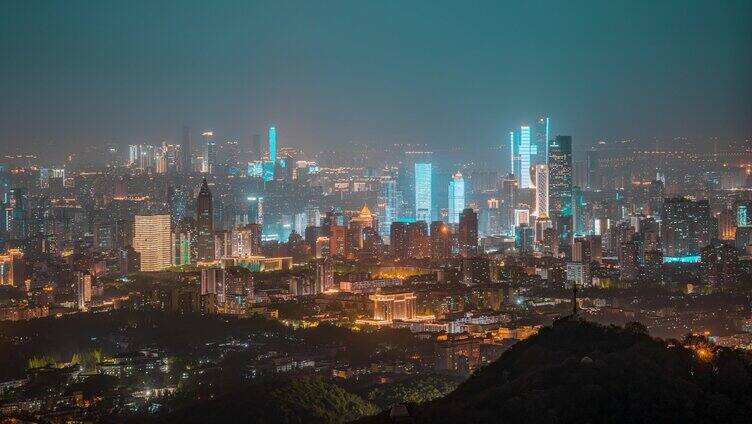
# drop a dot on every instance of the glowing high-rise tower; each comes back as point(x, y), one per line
point(456, 198)
point(272, 145)
point(541, 191)
point(423, 192)
point(521, 155)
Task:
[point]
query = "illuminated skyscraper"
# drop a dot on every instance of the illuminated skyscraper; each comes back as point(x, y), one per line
point(539, 143)
point(210, 153)
point(685, 227)
point(456, 197)
point(541, 191)
point(272, 145)
point(522, 152)
point(204, 224)
point(388, 205)
point(467, 234)
point(178, 203)
point(423, 192)
point(560, 175)
point(578, 212)
point(153, 241)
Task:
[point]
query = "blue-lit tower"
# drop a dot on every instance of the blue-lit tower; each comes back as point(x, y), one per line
point(456, 198)
point(423, 192)
point(522, 152)
point(273, 145)
point(388, 207)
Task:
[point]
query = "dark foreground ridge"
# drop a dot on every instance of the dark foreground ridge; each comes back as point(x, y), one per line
point(305, 400)
point(583, 372)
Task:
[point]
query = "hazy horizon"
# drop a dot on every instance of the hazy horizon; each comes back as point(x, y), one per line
point(441, 73)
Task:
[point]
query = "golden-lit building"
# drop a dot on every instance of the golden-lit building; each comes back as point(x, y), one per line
point(388, 307)
point(153, 241)
point(11, 268)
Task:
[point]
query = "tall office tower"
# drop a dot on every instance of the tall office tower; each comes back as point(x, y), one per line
point(142, 156)
point(213, 283)
point(467, 233)
point(686, 227)
point(388, 206)
point(441, 241)
point(398, 239)
point(204, 224)
point(629, 262)
point(184, 242)
point(580, 174)
point(423, 201)
point(313, 216)
point(541, 191)
point(560, 175)
point(541, 137)
point(210, 153)
point(19, 216)
point(255, 210)
point(4, 185)
point(456, 197)
point(273, 145)
point(186, 157)
point(522, 152)
point(727, 225)
point(256, 147)
point(246, 240)
point(178, 203)
point(507, 199)
point(324, 277)
point(578, 212)
point(152, 239)
point(338, 246)
point(83, 289)
point(364, 219)
point(418, 243)
point(524, 238)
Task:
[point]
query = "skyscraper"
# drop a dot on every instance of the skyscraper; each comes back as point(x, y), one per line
point(423, 201)
point(560, 175)
point(456, 197)
point(186, 159)
point(467, 234)
point(272, 145)
point(578, 212)
point(204, 224)
point(153, 241)
point(388, 205)
point(686, 227)
point(541, 137)
point(522, 152)
point(441, 241)
point(541, 191)
point(210, 153)
point(178, 203)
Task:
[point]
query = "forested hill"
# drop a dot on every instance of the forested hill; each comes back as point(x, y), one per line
point(580, 372)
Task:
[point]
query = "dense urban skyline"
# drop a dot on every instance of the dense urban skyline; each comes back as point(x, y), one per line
point(440, 73)
point(376, 212)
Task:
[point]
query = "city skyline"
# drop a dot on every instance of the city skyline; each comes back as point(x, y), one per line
point(376, 212)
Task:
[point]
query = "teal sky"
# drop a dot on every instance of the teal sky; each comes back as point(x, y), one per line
point(328, 72)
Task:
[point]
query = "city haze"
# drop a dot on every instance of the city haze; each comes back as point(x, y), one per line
point(442, 73)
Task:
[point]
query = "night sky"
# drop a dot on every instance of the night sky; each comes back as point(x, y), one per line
point(329, 72)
